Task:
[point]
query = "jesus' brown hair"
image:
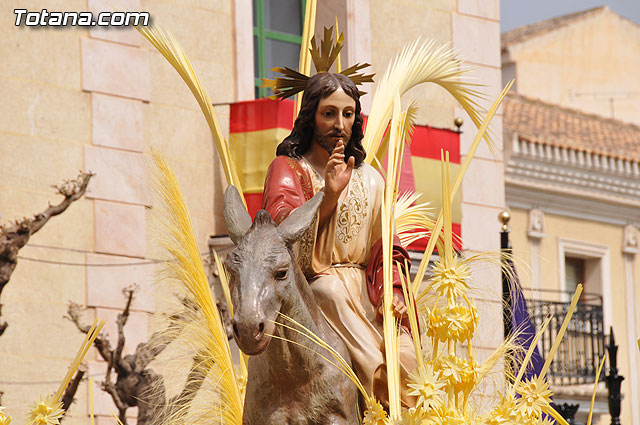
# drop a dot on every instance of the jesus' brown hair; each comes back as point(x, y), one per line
point(320, 86)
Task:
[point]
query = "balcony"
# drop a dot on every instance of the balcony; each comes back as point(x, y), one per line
point(582, 347)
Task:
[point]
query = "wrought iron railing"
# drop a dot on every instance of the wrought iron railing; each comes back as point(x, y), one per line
point(582, 347)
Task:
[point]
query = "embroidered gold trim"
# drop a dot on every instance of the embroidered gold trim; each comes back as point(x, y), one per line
point(353, 211)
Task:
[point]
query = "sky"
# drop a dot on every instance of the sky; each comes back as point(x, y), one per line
point(516, 13)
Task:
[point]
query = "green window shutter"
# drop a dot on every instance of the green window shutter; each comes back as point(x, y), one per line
point(277, 36)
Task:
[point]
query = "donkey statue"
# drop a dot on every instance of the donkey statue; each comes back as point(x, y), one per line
point(289, 382)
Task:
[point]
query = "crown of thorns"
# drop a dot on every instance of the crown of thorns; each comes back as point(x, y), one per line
point(323, 58)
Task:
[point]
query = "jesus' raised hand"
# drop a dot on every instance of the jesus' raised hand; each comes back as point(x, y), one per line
point(337, 172)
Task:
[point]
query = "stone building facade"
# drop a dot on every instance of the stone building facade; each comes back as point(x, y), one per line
point(587, 60)
point(571, 173)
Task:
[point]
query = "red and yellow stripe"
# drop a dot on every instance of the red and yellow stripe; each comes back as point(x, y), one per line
point(256, 128)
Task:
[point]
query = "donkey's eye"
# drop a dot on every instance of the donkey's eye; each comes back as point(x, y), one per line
point(281, 274)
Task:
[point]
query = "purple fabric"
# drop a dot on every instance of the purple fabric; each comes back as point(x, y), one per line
point(521, 321)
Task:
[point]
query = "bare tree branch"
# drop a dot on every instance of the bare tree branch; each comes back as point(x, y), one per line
point(135, 384)
point(101, 343)
point(72, 388)
point(122, 320)
point(110, 389)
point(15, 236)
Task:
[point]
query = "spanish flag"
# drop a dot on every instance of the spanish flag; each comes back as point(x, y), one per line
point(421, 173)
point(256, 127)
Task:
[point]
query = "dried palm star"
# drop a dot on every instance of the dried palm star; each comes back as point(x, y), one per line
point(451, 280)
point(45, 412)
point(4, 418)
point(424, 384)
point(375, 414)
point(535, 395)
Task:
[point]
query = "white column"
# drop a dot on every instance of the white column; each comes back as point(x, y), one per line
point(536, 266)
point(243, 31)
point(630, 249)
point(536, 233)
point(359, 42)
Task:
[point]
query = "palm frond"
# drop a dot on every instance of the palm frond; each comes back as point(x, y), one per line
point(505, 350)
point(188, 271)
point(93, 333)
point(412, 221)
point(527, 357)
point(409, 123)
point(405, 278)
point(49, 410)
point(419, 62)
point(169, 47)
point(456, 185)
point(595, 390)
point(556, 343)
point(304, 65)
point(396, 146)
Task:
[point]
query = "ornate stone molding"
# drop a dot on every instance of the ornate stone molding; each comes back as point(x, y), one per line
point(590, 174)
point(631, 240)
point(572, 183)
point(536, 224)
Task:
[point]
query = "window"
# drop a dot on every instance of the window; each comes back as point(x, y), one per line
point(574, 273)
point(587, 263)
point(277, 36)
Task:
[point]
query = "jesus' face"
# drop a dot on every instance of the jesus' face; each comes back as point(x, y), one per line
point(334, 119)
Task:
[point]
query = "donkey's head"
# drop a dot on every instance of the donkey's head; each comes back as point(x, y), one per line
point(261, 267)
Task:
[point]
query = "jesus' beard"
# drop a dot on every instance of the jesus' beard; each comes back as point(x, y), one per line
point(327, 141)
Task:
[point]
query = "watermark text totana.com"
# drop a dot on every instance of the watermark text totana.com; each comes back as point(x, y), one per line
point(44, 18)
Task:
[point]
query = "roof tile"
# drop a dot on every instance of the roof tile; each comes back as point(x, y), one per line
point(555, 125)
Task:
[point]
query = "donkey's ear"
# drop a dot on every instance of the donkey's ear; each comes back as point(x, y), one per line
point(236, 217)
point(294, 226)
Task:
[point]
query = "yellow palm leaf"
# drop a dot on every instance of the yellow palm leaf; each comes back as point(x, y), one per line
point(419, 62)
point(456, 185)
point(169, 47)
point(409, 217)
point(188, 271)
point(304, 66)
point(396, 145)
point(595, 389)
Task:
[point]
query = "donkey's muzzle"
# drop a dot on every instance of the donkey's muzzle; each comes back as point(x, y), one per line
point(250, 336)
point(255, 332)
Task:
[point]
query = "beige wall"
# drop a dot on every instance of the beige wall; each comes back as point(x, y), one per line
point(475, 32)
point(376, 30)
point(397, 23)
point(45, 124)
point(584, 65)
point(75, 99)
point(557, 227)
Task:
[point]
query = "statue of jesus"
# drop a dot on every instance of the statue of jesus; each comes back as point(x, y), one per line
point(341, 253)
